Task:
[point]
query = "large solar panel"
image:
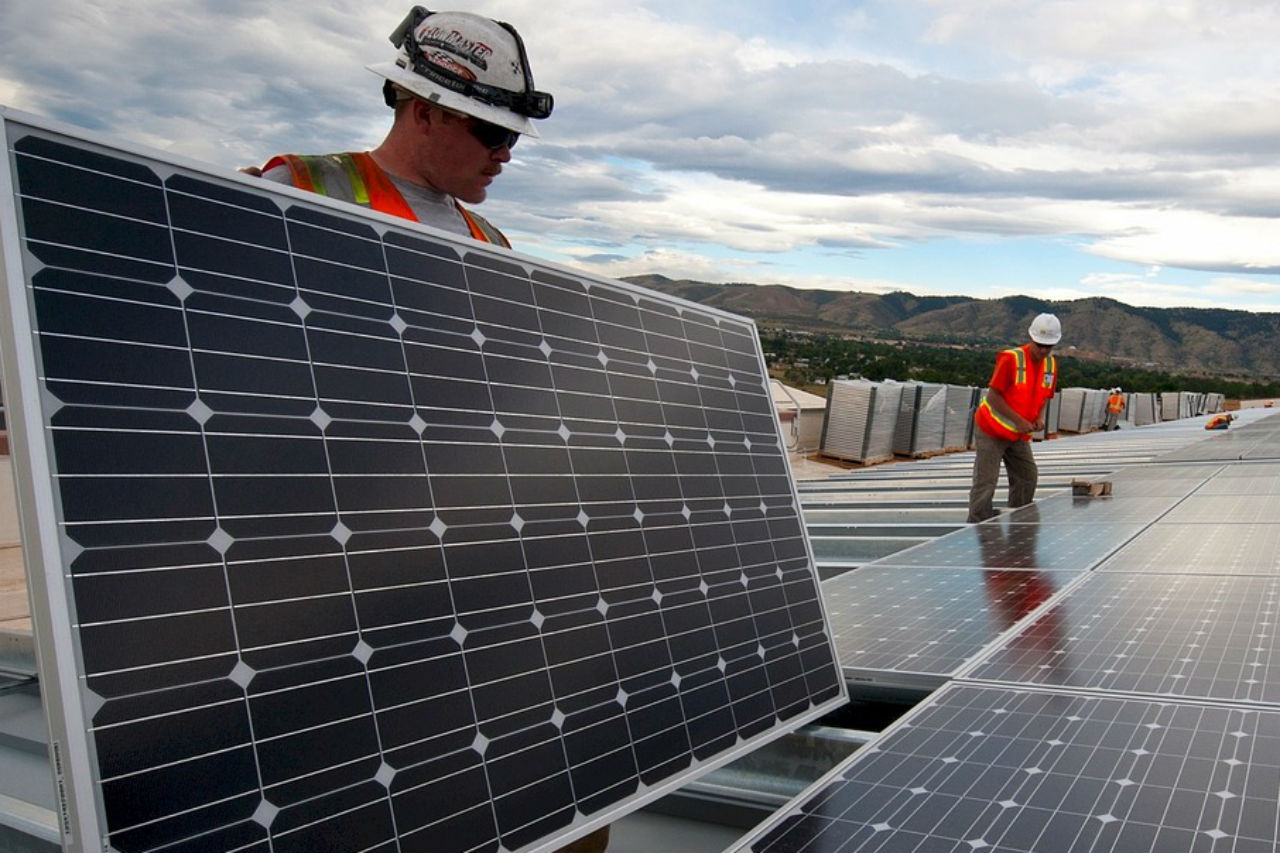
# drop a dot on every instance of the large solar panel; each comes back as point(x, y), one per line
point(912, 628)
point(1187, 636)
point(1004, 543)
point(1235, 549)
point(1224, 509)
point(1083, 509)
point(1135, 709)
point(1000, 768)
point(349, 535)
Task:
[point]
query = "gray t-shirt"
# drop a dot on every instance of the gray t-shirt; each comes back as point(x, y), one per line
point(432, 208)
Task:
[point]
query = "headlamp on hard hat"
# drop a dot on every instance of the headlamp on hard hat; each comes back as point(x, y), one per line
point(530, 102)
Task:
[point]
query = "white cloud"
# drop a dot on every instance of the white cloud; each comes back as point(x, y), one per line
point(1144, 132)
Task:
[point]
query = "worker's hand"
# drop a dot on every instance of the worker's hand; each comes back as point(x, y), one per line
point(1038, 425)
point(255, 171)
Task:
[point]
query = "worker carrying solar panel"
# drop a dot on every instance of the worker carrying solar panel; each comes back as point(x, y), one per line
point(1115, 408)
point(1022, 383)
point(463, 94)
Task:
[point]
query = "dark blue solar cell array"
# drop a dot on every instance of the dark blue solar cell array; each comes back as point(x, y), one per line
point(1133, 709)
point(374, 541)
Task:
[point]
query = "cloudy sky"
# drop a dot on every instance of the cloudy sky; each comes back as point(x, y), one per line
point(1061, 148)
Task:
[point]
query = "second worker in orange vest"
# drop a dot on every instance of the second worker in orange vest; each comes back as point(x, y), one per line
point(463, 94)
point(1023, 381)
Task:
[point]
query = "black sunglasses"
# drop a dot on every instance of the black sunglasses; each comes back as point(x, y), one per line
point(492, 136)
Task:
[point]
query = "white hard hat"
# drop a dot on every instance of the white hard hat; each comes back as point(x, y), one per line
point(466, 63)
point(1045, 329)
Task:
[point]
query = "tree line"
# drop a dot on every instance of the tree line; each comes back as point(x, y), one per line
point(811, 359)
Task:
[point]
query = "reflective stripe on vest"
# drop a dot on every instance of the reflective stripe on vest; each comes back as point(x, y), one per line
point(370, 187)
point(1021, 397)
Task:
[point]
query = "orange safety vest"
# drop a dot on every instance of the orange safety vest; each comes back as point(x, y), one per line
point(1033, 384)
point(371, 187)
point(1115, 403)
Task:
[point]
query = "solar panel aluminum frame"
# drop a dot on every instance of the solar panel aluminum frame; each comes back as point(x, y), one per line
point(82, 816)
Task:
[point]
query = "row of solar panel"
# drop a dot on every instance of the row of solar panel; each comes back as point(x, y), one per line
point(1107, 671)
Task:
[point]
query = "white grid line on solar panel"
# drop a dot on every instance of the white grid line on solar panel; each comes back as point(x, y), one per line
point(1192, 473)
point(1017, 546)
point(1224, 509)
point(636, 297)
point(1076, 509)
point(478, 383)
point(1253, 486)
point(638, 301)
point(1176, 548)
point(1249, 470)
point(1170, 773)
point(934, 620)
point(764, 640)
point(380, 370)
point(1183, 636)
point(530, 610)
point(330, 724)
point(694, 317)
point(790, 499)
point(1151, 487)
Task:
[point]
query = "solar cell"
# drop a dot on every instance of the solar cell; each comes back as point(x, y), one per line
point(1224, 509)
point(1006, 543)
point(1234, 549)
point(356, 536)
point(913, 627)
point(1187, 636)
point(999, 768)
point(1083, 509)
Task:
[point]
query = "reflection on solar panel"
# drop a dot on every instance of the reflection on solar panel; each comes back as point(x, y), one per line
point(1186, 636)
point(898, 626)
point(1134, 710)
point(1000, 544)
point(998, 768)
point(358, 537)
point(1080, 509)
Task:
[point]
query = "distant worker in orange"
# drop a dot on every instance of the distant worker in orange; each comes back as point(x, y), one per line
point(1219, 421)
point(1024, 380)
point(1115, 408)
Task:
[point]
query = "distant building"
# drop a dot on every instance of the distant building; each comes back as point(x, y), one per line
point(800, 414)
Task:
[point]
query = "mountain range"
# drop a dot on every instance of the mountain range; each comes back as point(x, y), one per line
point(1213, 341)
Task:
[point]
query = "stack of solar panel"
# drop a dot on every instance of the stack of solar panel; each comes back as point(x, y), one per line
point(957, 428)
point(1142, 409)
point(1095, 408)
point(861, 420)
point(921, 417)
point(1072, 414)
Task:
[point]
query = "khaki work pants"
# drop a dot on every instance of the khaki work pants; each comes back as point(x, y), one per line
point(1018, 462)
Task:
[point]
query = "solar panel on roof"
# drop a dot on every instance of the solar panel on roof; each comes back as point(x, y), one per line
point(1187, 636)
point(354, 536)
point(999, 768)
point(911, 628)
point(1003, 543)
point(1235, 549)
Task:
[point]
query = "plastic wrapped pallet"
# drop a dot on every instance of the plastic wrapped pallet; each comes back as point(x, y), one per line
point(957, 427)
point(1071, 415)
point(861, 419)
point(921, 417)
